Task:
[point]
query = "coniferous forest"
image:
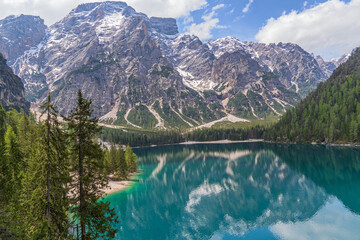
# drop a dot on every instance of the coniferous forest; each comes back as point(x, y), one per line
point(52, 175)
point(138, 139)
point(330, 114)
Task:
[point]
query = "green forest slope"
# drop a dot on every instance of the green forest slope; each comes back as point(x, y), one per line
point(329, 114)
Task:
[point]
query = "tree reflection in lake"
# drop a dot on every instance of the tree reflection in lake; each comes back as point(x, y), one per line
point(245, 191)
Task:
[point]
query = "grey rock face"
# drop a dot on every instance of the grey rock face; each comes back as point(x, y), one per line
point(20, 33)
point(296, 69)
point(166, 26)
point(122, 59)
point(11, 88)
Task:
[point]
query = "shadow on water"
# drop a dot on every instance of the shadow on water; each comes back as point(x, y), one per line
point(233, 191)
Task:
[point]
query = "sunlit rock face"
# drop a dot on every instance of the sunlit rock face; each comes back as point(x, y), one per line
point(19, 34)
point(122, 59)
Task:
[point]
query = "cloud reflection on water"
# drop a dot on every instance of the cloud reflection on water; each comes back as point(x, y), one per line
point(219, 192)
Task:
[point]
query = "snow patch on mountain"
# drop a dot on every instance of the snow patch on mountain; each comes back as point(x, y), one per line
point(108, 26)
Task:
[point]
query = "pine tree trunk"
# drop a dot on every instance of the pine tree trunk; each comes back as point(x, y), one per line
point(82, 197)
point(47, 172)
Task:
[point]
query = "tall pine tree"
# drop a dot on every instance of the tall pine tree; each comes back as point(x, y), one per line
point(94, 217)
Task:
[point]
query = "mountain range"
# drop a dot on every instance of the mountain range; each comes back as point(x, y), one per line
point(142, 72)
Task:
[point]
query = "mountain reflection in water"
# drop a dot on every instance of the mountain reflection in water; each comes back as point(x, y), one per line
point(242, 191)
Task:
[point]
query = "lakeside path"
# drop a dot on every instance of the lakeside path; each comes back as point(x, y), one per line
point(116, 186)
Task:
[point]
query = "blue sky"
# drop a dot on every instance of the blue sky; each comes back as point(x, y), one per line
point(329, 28)
point(245, 25)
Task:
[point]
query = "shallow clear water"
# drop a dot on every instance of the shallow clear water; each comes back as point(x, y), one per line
point(242, 191)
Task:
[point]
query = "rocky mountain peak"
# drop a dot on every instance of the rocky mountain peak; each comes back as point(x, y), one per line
point(20, 33)
point(139, 70)
point(165, 26)
point(108, 7)
point(338, 61)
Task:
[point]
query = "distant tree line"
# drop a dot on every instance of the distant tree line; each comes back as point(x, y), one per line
point(52, 175)
point(148, 138)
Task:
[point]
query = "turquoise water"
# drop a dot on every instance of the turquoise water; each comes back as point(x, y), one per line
point(242, 191)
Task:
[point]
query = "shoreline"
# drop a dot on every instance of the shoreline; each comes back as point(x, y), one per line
point(224, 141)
point(319, 143)
point(118, 186)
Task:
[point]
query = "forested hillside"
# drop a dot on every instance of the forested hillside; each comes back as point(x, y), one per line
point(329, 114)
point(52, 175)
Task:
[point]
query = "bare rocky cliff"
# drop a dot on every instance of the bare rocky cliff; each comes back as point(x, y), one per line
point(11, 88)
point(141, 71)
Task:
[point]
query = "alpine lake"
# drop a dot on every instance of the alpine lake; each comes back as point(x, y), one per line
point(242, 191)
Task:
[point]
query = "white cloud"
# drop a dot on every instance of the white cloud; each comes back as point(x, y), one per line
point(332, 221)
point(54, 10)
point(187, 20)
point(246, 8)
point(203, 29)
point(329, 29)
point(218, 7)
point(167, 8)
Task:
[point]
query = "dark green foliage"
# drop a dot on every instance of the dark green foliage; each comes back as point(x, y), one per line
point(240, 105)
point(329, 114)
point(147, 138)
point(268, 76)
point(213, 134)
point(135, 92)
point(13, 160)
point(130, 159)
point(170, 92)
point(94, 218)
point(261, 109)
point(278, 107)
point(291, 96)
point(93, 65)
point(4, 172)
point(115, 163)
point(164, 72)
point(140, 137)
point(171, 118)
point(121, 118)
point(192, 113)
point(35, 176)
point(209, 93)
point(48, 176)
point(206, 114)
point(200, 112)
point(141, 116)
point(2, 59)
